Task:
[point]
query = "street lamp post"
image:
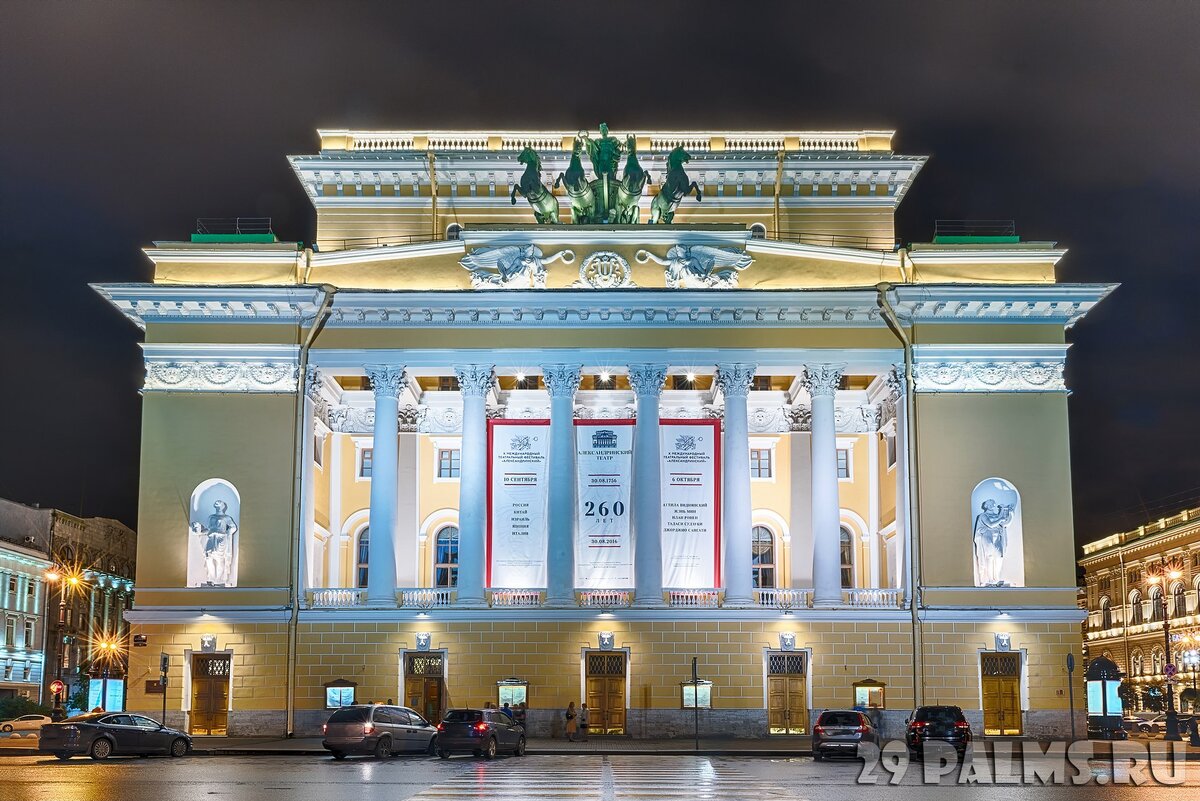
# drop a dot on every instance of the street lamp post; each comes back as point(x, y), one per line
point(1161, 575)
point(67, 581)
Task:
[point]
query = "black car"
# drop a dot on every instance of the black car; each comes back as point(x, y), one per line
point(377, 729)
point(104, 734)
point(482, 732)
point(943, 724)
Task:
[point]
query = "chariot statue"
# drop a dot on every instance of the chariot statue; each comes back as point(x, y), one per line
point(530, 187)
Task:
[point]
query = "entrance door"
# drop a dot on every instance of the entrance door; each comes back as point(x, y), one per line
point(210, 694)
point(787, 694)
point(423, 684)
point(1001, 676)
point(605, 675)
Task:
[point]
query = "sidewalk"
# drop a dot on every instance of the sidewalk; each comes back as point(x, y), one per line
point(230, 746)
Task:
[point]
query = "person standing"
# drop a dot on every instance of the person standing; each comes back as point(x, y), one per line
point(519, 714)
point(583, 722)
point(572, 722)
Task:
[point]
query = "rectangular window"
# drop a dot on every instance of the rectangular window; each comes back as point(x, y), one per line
point(364, 462)
point(760, 462)
point(761, 383)
point(28, 633)
point(10, 632)
point(12, 584)
point(448, 462)
point(843, 462)
point(29, 589)
point(890, 443)
point(338, 697)
point(448, 383)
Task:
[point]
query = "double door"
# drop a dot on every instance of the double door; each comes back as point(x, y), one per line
point(605, 684)
point(787, 693)
point(424, 683)
point(1001, 680)
point(210, 694)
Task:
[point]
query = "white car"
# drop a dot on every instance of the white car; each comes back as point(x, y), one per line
point(25, 723)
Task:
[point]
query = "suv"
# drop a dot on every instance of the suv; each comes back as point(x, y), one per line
point(945, 724)
point(377, 729)
point(483, 732)
point(839, 731)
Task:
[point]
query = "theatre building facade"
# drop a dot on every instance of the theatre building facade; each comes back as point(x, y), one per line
point(545, 416)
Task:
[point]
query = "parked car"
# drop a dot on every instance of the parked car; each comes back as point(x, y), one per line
point(483, 732)
point(839, 731)
point(104, 734)
point(377, 729)
point(945, 724)
point(24, 723)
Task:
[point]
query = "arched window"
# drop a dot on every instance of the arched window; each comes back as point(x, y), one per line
point(364, 557)
point(1156, 603)
point(445, 567)
point(1178, 600)
point(847, 551)
point(1105, 614)
point(762, 557)
point(1136, 616)
point(1137, 663)
point(1156, 661)
point(453, 231)
point(758, 231)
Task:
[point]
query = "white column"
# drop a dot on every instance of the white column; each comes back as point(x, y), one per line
point(734, 381)
point(873, 497)
point(408, 487)
point(474, 381)
point(308, 508)
point(333, 548)
point(561, 382)
point(646, 492)
point(388, 383)
point(896, 384)
point(821, 381)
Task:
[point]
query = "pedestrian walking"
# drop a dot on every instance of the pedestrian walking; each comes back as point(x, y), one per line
point(519, 714)
point(583, 722)
point(572, 722)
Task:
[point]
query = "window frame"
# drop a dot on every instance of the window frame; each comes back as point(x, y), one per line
point(760, 458)
point(362, 567)
point(758, 568)
point(845, 528)
point(451, 567)
point(849, 452)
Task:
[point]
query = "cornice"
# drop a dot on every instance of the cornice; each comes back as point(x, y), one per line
point(143, 303)
point(1062, 304)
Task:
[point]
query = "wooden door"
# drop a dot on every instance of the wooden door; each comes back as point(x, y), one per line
point(787, 694)
point(424, 687)
point(605, 688)
point(1001, 680)
point(210, 695)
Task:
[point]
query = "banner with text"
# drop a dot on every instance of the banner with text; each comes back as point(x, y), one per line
point(691, 515)
point(517, 499)
point(603, 471)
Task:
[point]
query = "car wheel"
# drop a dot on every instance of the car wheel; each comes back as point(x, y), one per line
point(383, 748)
point(62, 756)
point(818, 756)
point(432, 749)
point(7, 727)
point(490, 751)
point(101, 748)
point(520, 749)
point(338, 754)
point(443, 753)
point(179, 747)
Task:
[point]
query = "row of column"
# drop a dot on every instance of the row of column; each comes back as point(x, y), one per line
point(562, 381)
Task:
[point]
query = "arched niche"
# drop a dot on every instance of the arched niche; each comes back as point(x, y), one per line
point(996, 536)
point(214, 531)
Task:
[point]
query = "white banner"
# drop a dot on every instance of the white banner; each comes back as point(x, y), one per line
point(518, 498)
point(691, 470)
point(603, 469)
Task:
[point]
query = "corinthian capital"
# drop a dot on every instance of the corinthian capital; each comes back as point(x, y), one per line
point(561, 379)
point(312, 382)
point(386, 379)
point(647, 379)
point(474, 380)
point(895, 381)
point(822, 379)
point(735, 379)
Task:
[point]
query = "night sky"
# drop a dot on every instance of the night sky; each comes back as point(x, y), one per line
point(120, 123)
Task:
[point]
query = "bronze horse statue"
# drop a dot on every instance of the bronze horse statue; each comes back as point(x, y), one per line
point(541, 199)
point(633, 181)
point(674, 188)
point(574, 180)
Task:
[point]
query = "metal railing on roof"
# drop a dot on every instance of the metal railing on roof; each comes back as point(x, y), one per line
point(233, 225)
point(974, 228)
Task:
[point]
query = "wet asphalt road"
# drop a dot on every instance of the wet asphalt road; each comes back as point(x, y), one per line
point(553, 778)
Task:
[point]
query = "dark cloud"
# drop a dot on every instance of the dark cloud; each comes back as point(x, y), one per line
point(123, 121)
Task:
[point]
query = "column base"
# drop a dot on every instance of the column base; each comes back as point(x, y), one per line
point(381, 603)
point(649, 603)
point(470, 603)
point(826, 603)
point(739, 603)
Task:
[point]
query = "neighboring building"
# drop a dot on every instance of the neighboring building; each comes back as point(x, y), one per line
point(101, 552)
point(24, 559)
point(555, 462)
point(1125, 612)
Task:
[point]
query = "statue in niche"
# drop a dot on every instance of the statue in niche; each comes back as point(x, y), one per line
point(991, 541)
point(216, 544)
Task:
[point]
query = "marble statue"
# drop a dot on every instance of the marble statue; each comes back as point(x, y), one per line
point(511, 266)
point(700, 266)
point(216, 544)
point(991, 542)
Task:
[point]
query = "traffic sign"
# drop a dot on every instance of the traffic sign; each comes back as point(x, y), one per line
point(1170, 670)
point(57, 687)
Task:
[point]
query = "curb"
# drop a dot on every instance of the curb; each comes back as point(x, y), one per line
point(530, 752)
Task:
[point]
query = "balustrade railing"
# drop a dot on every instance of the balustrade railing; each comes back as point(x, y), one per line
point(874, 597)
point(694, 599)
point(605, 599)
point(784, 599)
point(507, 597)
point(425, 597)
point(336, 597)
